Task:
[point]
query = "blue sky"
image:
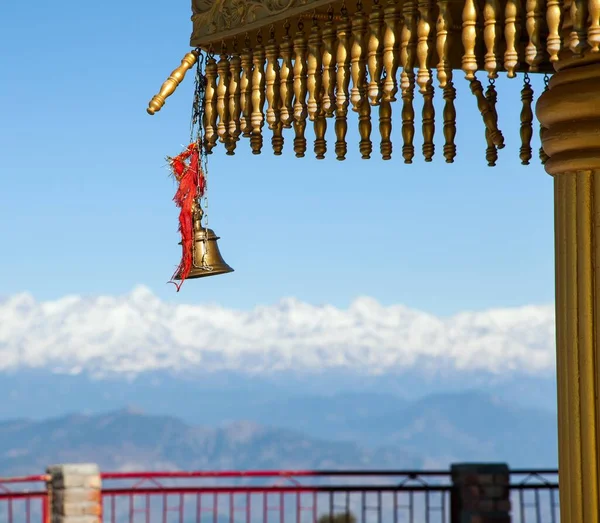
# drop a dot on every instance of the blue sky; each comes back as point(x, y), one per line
point(86, 201)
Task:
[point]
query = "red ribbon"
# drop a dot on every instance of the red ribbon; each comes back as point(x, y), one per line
point(188, 173)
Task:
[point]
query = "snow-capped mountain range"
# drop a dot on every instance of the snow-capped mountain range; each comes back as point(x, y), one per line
point(137, 333)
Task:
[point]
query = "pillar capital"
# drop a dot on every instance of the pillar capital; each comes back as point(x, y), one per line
point(569, 113)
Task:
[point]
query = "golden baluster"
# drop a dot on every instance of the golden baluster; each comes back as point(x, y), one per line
point(594, 27)
point(385, 129)
point(300, 91)
point(423, 36)
point(407, 78)
point(512, 30)
point(488, 115)
point(273, 94)
point(358, 57)
point(272, 81)
point(491, 11)
point(578, 35)
point(329, 62)
point(469, 39)
point(315, 86)
point(320, 131)
point(210, 104)
point(365, 128)
point(234, 127)
point(554, 21)
point(428, 122)
point(175, 78)
point(491, 153)
point(526, 122)
point(246, 89)
point(286, 79)
point(408, 121)
point(258, 96)
point(222, 99)
point(443, 25)
point(375, 52)
point(391, 47)
point(314, 70)
point(408, 44)
point(534, 18)
point(342, 96)
point(449, 119)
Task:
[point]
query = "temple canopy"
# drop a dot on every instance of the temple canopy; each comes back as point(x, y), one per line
point(267, 65)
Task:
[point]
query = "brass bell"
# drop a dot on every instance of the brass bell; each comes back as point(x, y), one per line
point(207, 257)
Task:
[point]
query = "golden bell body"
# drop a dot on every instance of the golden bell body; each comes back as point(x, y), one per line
point(207, 257)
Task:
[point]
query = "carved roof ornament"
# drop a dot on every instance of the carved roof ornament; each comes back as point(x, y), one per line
point(297, 64)
point(223, 18)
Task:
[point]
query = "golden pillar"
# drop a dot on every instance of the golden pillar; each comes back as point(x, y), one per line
point(569, 112)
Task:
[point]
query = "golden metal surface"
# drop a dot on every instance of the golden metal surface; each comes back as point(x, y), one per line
point(391, 49)
point(175, 78)
point(491, 153)
point(469, 38)
point(358, 59)
point(330, 44)
point(443, 27)
point(210, 115)
point(385, 129)
point(534, 19)
point(257, 117)
point(512, 28)
point(424, 25)
point(300, 91)
point(553, 19)
point(375, 53)
point(578, 35)
point(344, 34)
point(246, 89)
point(449, 120)
point(314, 71)
point(526, 123)
point(235, 108)
point(286, 80)
point(428, 122)
point(207, 258)
point(408, 120)
point(490, 118)
point(215, 20)
point(222, 98)
point(408, 40)
point(491, 14)
point(569, 113)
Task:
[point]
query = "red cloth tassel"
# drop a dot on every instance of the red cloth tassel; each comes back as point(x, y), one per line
point(187, 171)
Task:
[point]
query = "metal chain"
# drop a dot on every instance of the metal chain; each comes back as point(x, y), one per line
point(197, 135)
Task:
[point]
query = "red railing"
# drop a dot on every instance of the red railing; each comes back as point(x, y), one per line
point(280, 497)
point(276, 496)
point(24, 500)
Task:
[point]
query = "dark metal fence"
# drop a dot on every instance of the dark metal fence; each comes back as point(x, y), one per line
point(534, 496)
point(306, 496)
point(281, 497)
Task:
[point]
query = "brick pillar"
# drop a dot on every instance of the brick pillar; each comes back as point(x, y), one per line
point(75, 494)
point(481, 493)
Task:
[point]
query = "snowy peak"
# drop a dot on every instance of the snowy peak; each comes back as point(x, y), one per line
point(138, 332)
